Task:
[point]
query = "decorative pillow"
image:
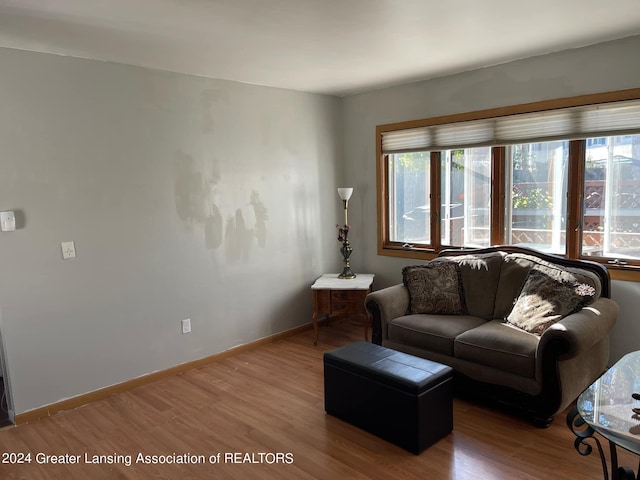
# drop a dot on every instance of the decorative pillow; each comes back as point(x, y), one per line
point(435, 287)
point(544, 300)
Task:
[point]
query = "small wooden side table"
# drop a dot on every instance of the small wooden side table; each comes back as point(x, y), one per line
point(338, 296)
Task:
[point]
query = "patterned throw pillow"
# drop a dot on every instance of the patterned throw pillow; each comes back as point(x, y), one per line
point(545, 300)
point(435, 288)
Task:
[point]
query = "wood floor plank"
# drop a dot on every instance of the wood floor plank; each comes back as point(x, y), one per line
point(269, 400)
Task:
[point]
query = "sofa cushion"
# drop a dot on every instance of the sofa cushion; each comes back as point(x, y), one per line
point(545, 299)
point(434, 288)
point(499, 345)
point(514, 273)
point(480, 274)
point(435, 333)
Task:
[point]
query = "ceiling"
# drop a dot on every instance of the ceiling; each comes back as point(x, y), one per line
point(336, 47)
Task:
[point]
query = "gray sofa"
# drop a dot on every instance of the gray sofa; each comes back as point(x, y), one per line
point(518, 327)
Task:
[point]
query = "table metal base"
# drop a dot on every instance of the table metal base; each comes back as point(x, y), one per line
point(584, 434)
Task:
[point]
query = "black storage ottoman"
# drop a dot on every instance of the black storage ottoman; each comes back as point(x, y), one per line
point(403, 399)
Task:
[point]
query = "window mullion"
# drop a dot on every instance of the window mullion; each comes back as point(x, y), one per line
point(575, 192)
point(436, 199)
point(498, 182)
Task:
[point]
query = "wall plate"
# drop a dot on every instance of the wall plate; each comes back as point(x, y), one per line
point(68, 250)
point(7, 221)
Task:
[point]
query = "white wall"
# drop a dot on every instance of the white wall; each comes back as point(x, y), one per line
point(186, 197)
point(600, 68)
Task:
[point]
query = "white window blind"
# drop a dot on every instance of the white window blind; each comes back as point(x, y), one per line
point(410, 140)
point(534, 127)
point(611, 119)
point(464, 134)
point(607, 119)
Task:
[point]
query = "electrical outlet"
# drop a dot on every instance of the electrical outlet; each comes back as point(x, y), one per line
point(186, 325)
point(68, 250)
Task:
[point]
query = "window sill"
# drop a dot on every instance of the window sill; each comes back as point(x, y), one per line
point(408, 252)
point(627, 273)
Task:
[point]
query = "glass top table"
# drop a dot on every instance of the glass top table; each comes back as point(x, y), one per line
point(609, 407)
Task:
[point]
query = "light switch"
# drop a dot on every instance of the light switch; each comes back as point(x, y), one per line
point(68, 250)
point(7, 221)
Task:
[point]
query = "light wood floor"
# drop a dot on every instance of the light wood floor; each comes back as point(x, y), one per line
point(270, 400)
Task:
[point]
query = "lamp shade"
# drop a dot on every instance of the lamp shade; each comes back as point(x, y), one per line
point(345, 193)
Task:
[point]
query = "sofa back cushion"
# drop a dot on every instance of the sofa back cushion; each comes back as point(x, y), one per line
point(434, 288)
point(545, 299)
point(515, 270)
point(480, 274)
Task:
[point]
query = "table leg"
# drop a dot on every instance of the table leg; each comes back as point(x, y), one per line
point(585, 433)
point(314, 321)
point(620, 473)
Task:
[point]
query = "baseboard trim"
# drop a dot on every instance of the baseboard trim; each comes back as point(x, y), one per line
point(86, 398)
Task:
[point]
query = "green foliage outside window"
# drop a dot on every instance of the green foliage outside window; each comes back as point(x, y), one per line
point(535, 198)
point(414, 162)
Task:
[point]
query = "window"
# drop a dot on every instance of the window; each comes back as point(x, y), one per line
point(466, 197)
point(558, 176)
point(409, 192)
point(537, 205)
point(611, 214)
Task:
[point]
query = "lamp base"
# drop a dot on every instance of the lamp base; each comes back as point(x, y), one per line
point(346, 272)
point(346, 251)
point(347, 276)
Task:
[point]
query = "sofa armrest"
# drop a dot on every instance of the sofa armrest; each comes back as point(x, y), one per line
point(384, 305)
point(579, 331)
point(573, 353)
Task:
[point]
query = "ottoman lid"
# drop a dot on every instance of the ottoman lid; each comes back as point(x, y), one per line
point(400, 370)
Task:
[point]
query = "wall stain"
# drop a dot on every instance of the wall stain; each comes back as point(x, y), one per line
point(238, 229)
point(213, 229)
point(262, 216)
point(231, 249)
point(189, 192)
